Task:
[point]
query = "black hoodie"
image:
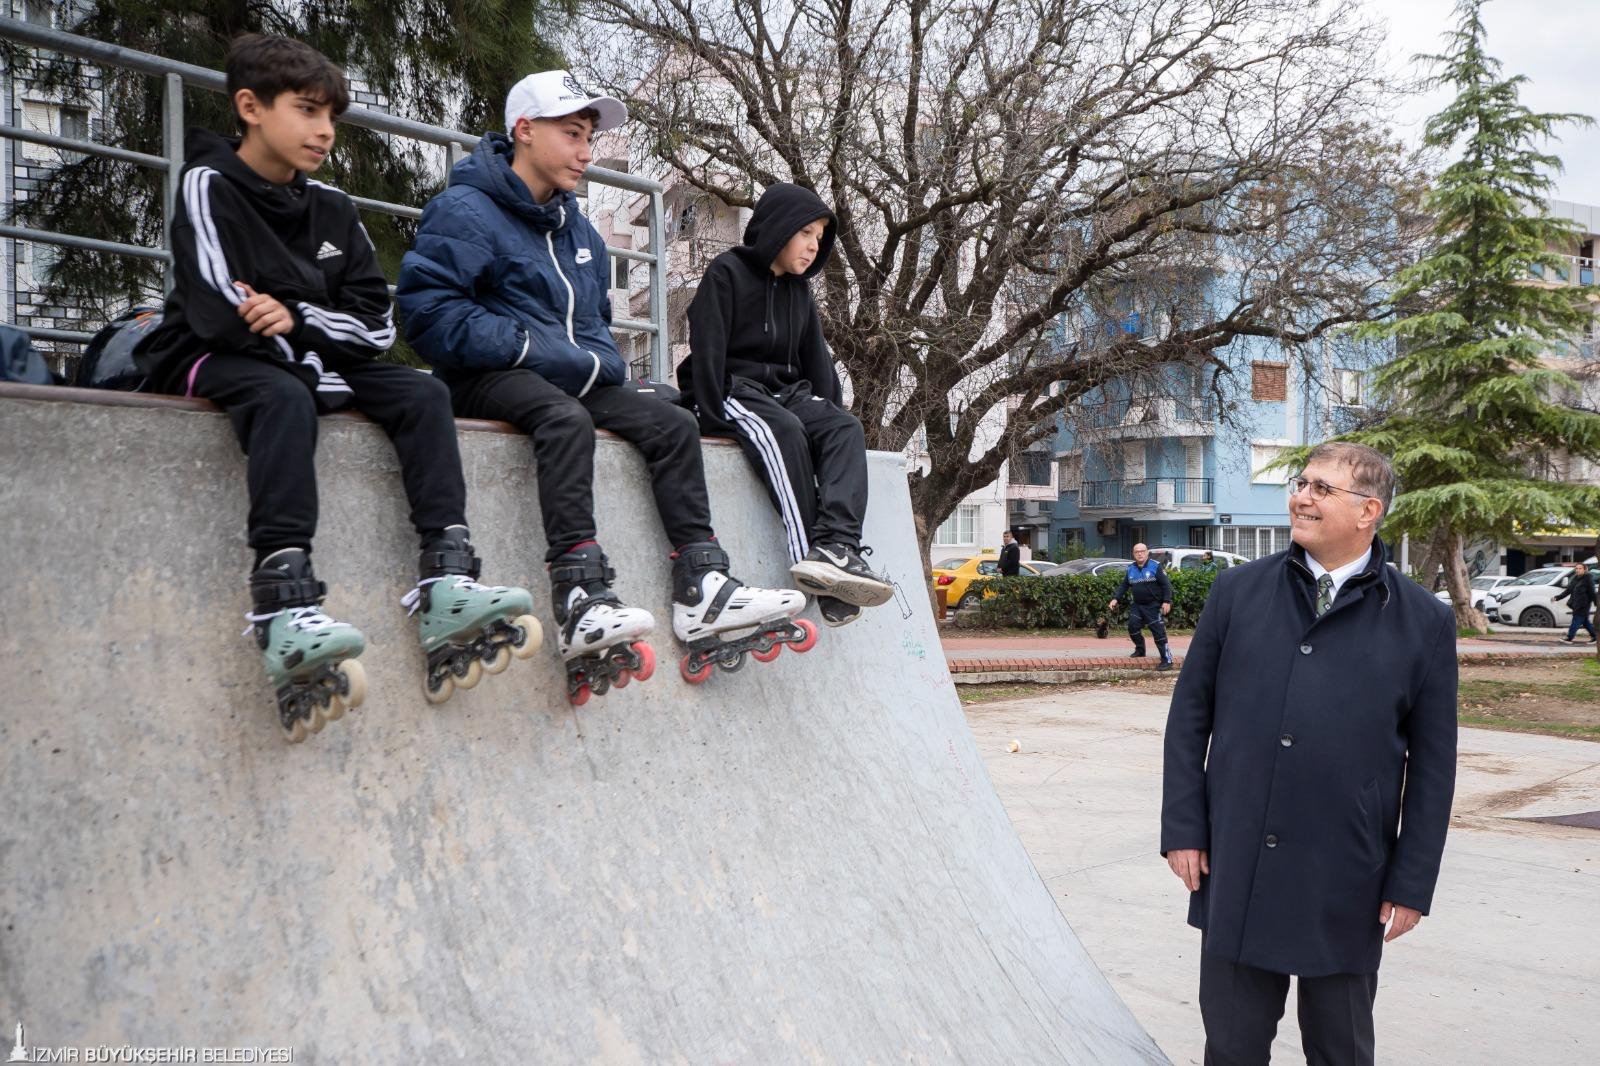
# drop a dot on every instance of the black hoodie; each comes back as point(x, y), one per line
point(302, 243)
point(747, 322)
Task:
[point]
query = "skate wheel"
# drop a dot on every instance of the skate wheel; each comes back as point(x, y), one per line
point(532, 636)
point(647, 661)
point(438, 695)
point(768, 655)
point(498, 660)
point(317, 721)
point(296, 733)
point(471, 676)
point(694, 677)
point(580, 697)
point(622, 679)
point(355, 677)
point(335, 709)
point(807, 642)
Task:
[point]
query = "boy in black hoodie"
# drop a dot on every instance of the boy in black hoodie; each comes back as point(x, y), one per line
point(277, 313)
point(759, 371)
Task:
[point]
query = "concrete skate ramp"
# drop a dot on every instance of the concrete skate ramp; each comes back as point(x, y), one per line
point(801, 862)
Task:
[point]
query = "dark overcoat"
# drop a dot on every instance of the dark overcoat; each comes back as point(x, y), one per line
point(1314, 759)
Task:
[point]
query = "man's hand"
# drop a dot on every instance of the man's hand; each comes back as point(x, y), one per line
point(1112, 606)
point(1400, 920)
point(1166, 608)
point(263, 313)
point(1189, 864)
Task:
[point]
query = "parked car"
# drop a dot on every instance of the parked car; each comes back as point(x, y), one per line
point(1481, 587)
point(1192, 558)
point(958, 574)
point(1530, 600)
point(1087, 566)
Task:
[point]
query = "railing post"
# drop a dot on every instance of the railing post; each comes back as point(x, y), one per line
point(453, 154)
point(172, 148)
point(660, 360)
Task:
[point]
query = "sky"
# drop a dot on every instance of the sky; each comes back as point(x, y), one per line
point(1550, 41)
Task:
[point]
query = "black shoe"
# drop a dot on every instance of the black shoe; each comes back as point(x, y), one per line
point(1136, 655)
point(1569, 640)
point(837, 612)
point(839, 571)
point(1164, 664)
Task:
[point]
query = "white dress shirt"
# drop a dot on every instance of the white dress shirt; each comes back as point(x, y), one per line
point(1341, 575)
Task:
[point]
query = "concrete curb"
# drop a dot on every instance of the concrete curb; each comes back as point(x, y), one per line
point(1065, 671)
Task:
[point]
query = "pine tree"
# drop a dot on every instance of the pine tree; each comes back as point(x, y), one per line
point(438, 61)
point(1472, 397)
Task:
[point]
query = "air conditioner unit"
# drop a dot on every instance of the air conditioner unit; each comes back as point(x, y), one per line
point(1107, 527)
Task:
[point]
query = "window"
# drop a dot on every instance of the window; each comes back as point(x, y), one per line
point(619, 272)
point(1269, 382)
point(959, 528)
point(39, 12)
point(1133, 462)
point(1260, 456)
point(75, 123)
point(1070, 473)
point(1348, 389)
point(40, 118)
point(1254, 542)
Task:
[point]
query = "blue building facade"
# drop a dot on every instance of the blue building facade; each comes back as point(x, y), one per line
point(1178, 458)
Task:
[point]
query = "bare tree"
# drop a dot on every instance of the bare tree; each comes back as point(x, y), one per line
point(1016, 180)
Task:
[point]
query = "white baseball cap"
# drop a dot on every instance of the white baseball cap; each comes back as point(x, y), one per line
point(555, 93)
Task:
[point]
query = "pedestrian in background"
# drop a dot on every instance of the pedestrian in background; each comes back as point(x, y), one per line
point(1010, 555)
point(1152, 602)
point(1579, 595)
point(1310, 762)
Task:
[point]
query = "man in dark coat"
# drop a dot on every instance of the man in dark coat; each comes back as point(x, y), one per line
point(1010, 555)
point(1310, 765)
point(1580, 592)
point(1151, 591)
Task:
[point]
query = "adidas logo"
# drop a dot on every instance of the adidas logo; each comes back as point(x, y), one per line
point(328, 251)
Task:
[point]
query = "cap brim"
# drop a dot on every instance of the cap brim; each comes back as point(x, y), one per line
point(612, 112)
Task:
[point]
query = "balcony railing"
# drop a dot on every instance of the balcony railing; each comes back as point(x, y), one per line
point(1151, 492)
point(1573, 270)
point(1148, 417)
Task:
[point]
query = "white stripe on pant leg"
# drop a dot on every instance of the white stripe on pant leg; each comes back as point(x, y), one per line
point(766, 444)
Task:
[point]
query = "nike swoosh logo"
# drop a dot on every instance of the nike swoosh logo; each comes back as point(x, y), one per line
point(837, 560)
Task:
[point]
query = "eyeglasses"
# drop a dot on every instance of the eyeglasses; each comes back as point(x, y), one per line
point(1320, 489)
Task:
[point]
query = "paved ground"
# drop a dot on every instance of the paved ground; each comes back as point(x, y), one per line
point(1506, 970)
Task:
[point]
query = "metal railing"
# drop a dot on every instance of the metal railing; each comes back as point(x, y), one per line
point(1149, 410)
point(1573, 270)
point(1150, 492)
point(176, 75)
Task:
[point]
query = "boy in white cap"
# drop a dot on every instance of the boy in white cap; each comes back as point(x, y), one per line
point(506, 293)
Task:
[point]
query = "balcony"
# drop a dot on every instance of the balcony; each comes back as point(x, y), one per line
point(1573, 270)
point(1146, 418)
point(1153, 497)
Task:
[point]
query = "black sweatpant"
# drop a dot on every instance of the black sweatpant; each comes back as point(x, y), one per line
point(1240, 1006)
point(812, 455)
point(1142, 616)
point(562, 428)
point(274, 416)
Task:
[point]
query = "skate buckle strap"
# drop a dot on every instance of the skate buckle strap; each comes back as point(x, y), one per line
point(300, 592)
point(720, 600)
point(442, 561)
point(698, 559)
point(584, 606)
point(583, 572)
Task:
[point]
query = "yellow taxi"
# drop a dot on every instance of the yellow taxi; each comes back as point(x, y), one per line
point(957, 574)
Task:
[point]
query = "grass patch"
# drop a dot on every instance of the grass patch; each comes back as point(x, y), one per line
point(1557, 729)
point(976, 694)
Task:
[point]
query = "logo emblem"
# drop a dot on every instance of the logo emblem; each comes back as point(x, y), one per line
point(584, 255)
point(570, 84)
point(328, 251)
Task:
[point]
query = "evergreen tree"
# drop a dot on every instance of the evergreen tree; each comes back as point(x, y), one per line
point(437, 61)
point(1471, 395)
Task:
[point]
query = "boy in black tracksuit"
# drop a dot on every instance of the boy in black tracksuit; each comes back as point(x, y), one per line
point(759, 371)
point(277, 314)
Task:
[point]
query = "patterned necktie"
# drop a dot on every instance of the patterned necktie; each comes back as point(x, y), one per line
point(1324, 594)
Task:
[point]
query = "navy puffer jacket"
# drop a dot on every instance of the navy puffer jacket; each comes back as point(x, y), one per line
point(496, 280)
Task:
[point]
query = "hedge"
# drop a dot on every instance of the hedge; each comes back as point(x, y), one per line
point(1077, 601)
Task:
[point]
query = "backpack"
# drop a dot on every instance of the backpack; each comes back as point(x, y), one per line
point(20, 360)
point(108, 361)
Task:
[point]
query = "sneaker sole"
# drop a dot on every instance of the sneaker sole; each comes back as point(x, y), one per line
point(823, 580)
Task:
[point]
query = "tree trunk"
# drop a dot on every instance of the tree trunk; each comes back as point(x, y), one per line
point(1459, 582)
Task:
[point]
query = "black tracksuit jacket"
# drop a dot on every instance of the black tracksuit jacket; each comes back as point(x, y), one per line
point(302, 242)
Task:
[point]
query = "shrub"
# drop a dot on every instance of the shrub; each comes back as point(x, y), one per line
point(1076, 601)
